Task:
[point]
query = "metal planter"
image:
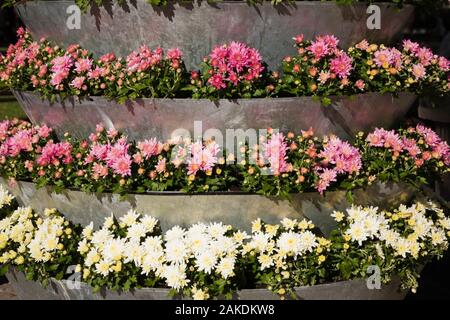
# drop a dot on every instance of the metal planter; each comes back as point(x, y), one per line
point(196, 27)
point(236, 209)
point(67, 290)
point(159, 118)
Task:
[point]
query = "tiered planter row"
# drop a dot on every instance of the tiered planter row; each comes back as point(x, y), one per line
point(64, 290)
point(237, 209)
point(146, 118)
point(196, 27)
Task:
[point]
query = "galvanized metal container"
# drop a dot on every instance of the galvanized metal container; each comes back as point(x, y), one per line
point(69, 290)
point(234, 208)
point(196, 27)
point(159, 118)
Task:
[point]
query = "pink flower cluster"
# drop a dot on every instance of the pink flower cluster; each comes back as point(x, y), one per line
point(202, 157)
point(233, 63)
point(114, 156)
point(323, 46)
point(275, 153)
point(13, 143)
point(55, 153)
point(52, 70)
point(339, 157)
point(396, 144)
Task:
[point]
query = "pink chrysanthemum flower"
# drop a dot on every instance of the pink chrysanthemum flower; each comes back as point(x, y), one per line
point(121, 165)
point(83, 65)
point(341, 65)
point(410, 46)
point(346, 158)
point(202, 158)
point(275, 153)
point(150, 148)
point(319, 49)
point(326, 177)
point(53, 153)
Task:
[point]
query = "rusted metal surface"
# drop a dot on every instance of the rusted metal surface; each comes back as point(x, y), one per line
point(198, 26)
point(159, 118)
point(236, 209)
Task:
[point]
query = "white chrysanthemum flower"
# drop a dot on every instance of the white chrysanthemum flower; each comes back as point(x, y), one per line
point(153, 244)
point(422, 226)
point(5, 224)
point(438, 237)
point(5, 197)
point(113, 249)
point(289, 224)
point(176, 251)
point(260, 241)
point(224, 245)
point(130, 218)
point(103, 267)
point(109, 222)
point(402, 247)
point(153, 262)
point(149, 223)
point(356, 213)
point(176, 233)
point(100, 237)
point(445, 223)
point(240, 236)
point(256, 226)
point(226, 267)
point(198, 242)
point(357, 232)
point(372, 225)
point(308, 241)
point(87, 231)
point(389, 236)
point(289, 242)
point(134, 252)
point(92, 257)
point(265, 261)
point(198, 294)
point(35, 250)
point(217, 229)
point(83, 246)
point(136, 232)
point(206, 261)
point(175, 276)
point(17, 233)
point(197, 229)
point(338, 216)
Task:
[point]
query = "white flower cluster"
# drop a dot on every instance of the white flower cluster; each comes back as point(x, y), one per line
point(47, 236)
point(5, 197)
point(405, 230)
point(205, 248)
point(274, 244)
point(28, 235)
point(104, 252)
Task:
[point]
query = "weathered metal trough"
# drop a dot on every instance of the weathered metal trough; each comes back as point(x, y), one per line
point(196, 27)
point(234, 208)
point(159, 118)
point(70, 290)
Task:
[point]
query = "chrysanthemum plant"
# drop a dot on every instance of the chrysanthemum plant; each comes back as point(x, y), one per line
point(321, 69)
point(231, 71)
point(57, 73)
point(279, 165)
